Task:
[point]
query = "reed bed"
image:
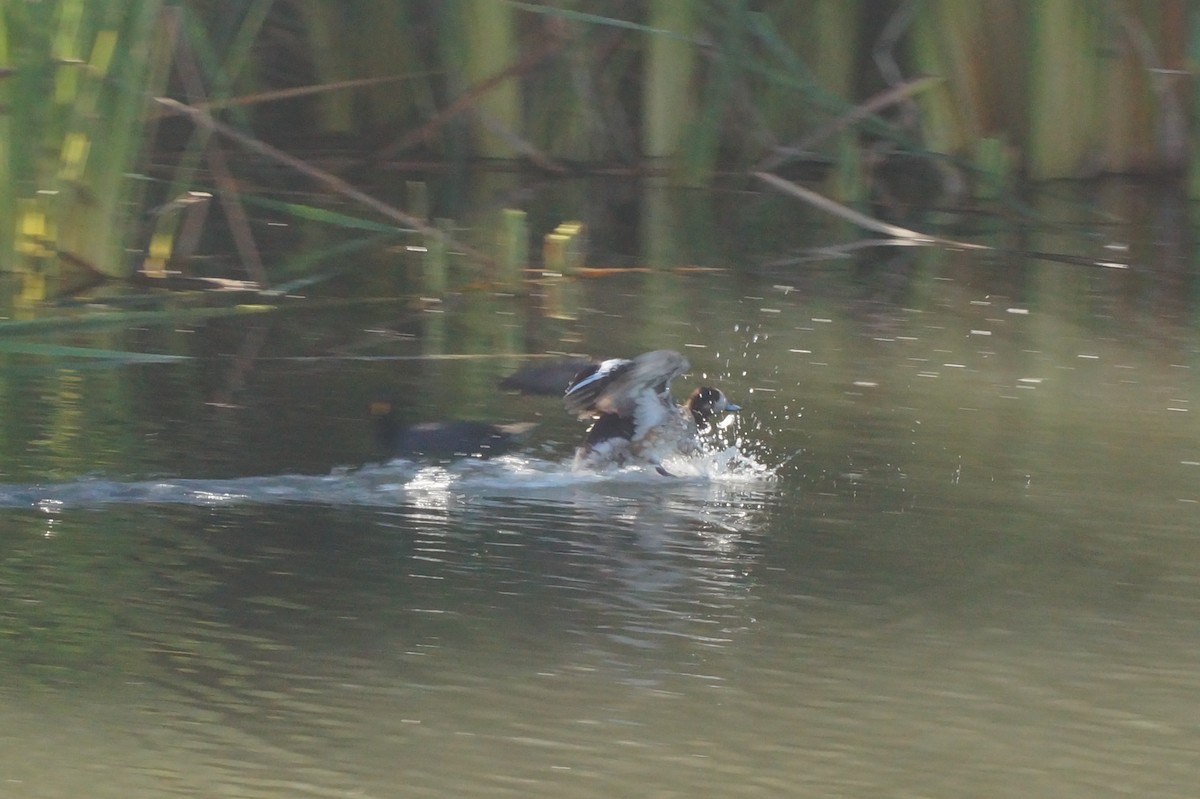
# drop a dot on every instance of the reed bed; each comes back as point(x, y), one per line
point(983, 93)
point(77, 124)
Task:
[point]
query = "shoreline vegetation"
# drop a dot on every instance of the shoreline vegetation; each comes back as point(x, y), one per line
point(129, 128)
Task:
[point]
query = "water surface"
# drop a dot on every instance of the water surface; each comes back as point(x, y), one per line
point(948, 549)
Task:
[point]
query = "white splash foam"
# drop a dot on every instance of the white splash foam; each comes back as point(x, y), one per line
point(399, 481)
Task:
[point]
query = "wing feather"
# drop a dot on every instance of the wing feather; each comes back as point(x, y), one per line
point(619, 386)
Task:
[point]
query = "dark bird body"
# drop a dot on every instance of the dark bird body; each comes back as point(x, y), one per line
point(450, 439)
point(546, 378)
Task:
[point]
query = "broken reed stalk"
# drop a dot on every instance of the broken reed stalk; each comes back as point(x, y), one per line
point(513, 245)
point(901, 234)
point(331, 182)
point(435, 265)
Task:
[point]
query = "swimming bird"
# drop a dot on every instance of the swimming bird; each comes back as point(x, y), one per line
point(636, 420)
point(443, 439)
point(547, 378)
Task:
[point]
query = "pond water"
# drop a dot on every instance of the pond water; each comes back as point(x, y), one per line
point(947, 549)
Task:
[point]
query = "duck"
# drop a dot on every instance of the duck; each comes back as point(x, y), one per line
point(635, 420)
point(448, 439)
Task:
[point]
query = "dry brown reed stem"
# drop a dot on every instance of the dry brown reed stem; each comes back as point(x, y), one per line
point(879, 102)
point(902, 235)
point(227, 190)
point(888, 97)
point(330, 182)
point(556, 38)
point(520, 145)
point(279, 95)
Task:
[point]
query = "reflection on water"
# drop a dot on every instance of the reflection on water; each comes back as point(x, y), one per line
point(395, 482)
point(326, 645)
point(949, 550)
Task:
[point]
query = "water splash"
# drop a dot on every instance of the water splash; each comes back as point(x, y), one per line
point(394, 483)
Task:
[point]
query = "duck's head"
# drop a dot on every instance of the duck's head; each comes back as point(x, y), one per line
point(709, 404)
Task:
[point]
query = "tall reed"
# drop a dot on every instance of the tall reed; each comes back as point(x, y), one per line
point(78, 100)
point(1193, 57)
point(945, 37)
point(1062, 88)
point(489, 46)
point(668, 94)
point(329, 30)
point(1069, 88)
point(8, 188)
point(821, 39)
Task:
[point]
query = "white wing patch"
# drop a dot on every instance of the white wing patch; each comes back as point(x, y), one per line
point(651, 411)
point(602, 372)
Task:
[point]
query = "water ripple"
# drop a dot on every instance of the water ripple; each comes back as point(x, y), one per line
point(398, 482)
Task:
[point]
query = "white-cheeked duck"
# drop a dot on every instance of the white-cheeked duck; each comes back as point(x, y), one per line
point(636, 420)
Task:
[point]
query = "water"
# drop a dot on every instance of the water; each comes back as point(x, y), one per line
point(948, 549)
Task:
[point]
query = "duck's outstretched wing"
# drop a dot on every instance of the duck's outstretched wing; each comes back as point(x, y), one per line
point(589, 386)
point(617, 386)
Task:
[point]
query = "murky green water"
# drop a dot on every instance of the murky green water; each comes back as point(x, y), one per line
point(957, 554)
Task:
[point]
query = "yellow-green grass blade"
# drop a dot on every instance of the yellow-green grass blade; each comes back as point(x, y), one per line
point(102, 319)
point(18, 346)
